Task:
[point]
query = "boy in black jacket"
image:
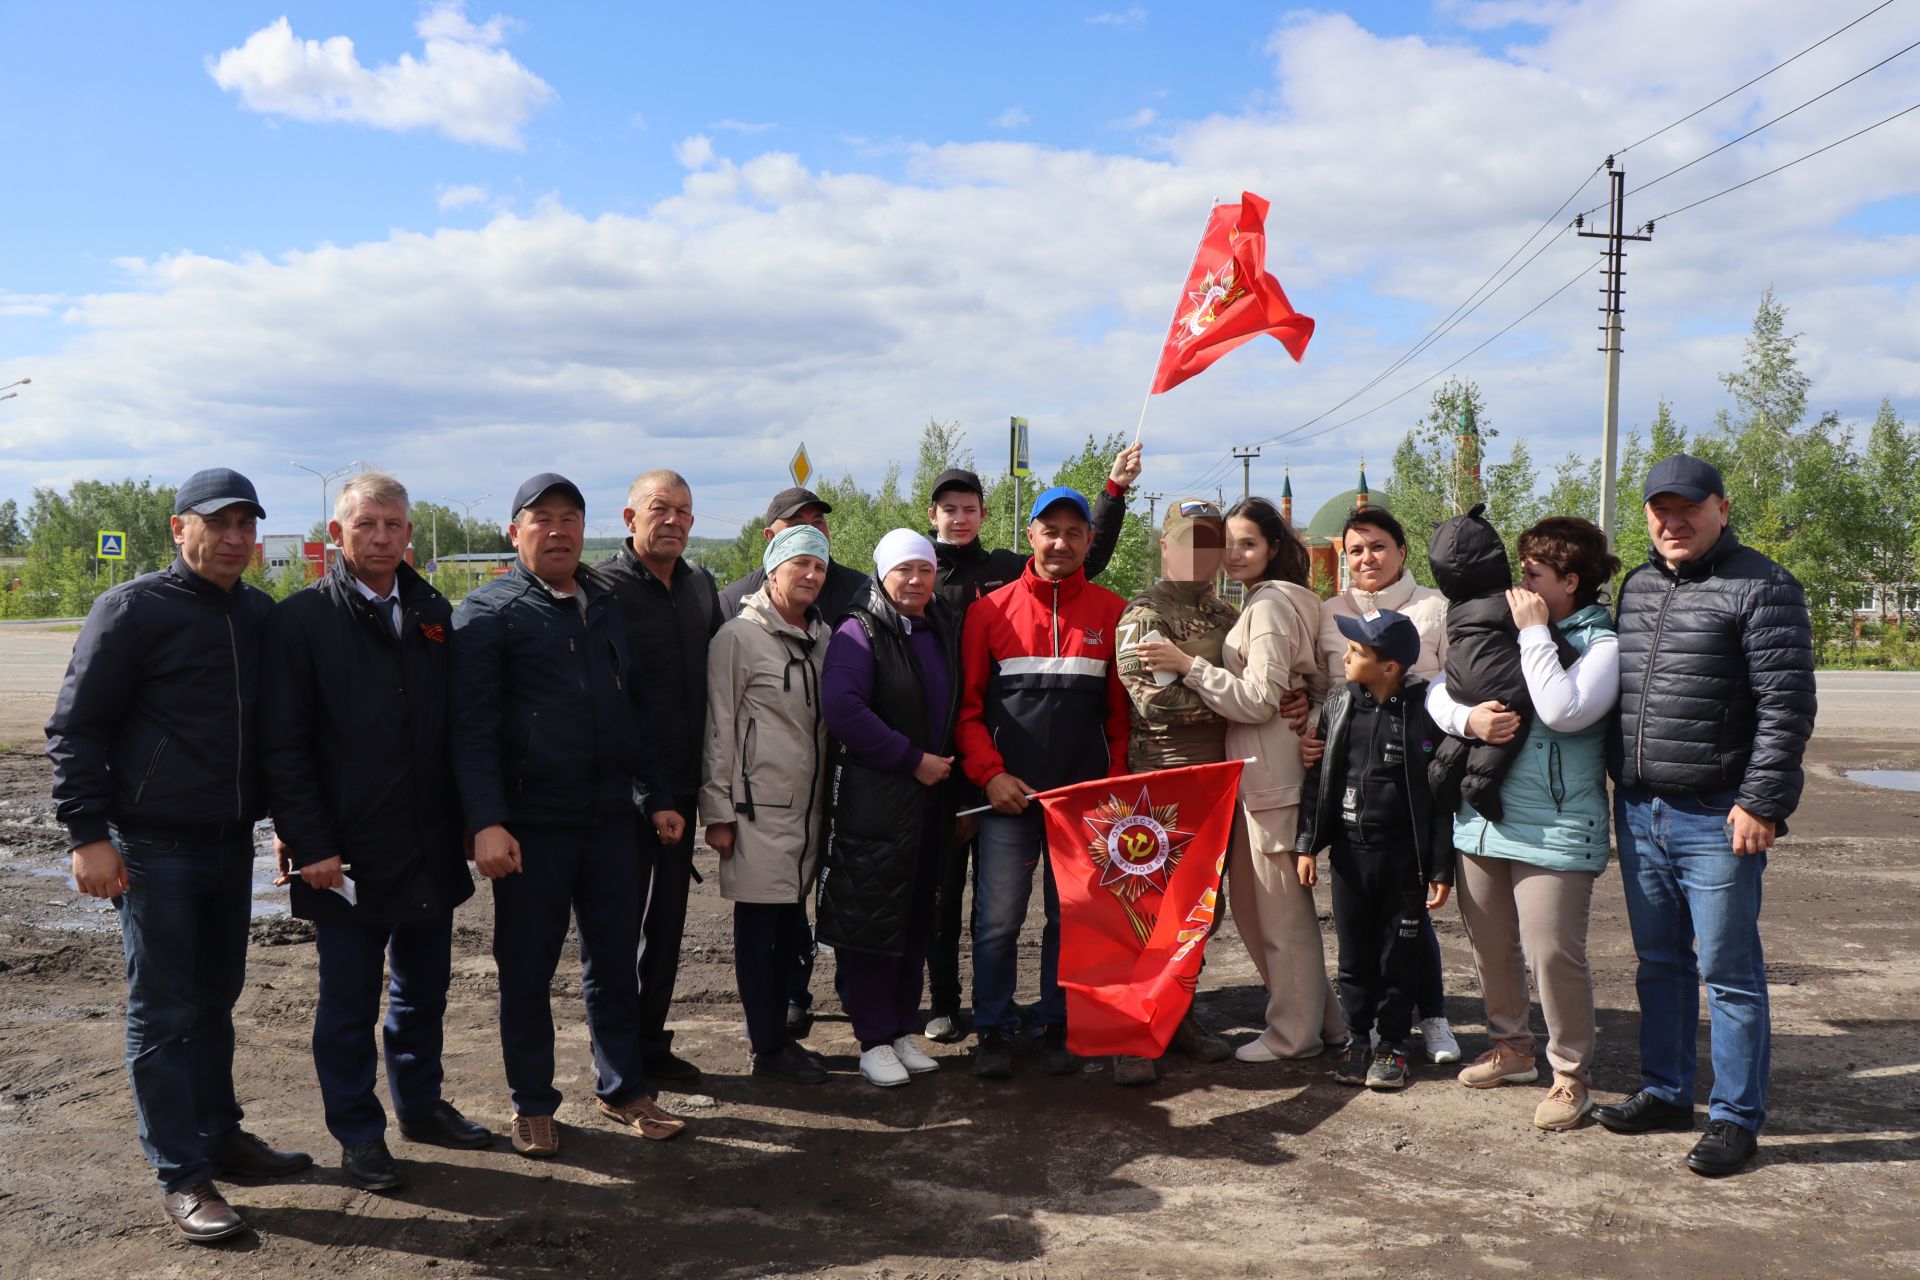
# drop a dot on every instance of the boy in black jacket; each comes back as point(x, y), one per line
point(1392, 848)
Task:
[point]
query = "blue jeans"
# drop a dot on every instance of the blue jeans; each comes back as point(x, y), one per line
point(1685, 884)
point(354, 958)
point(183, 925)
point(1005, 856)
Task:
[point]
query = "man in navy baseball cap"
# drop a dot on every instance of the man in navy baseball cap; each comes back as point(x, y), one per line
point(213, 490)
point(1694, 479)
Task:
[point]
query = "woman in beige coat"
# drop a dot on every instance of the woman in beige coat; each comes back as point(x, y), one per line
point(764, 800)
point(1269, 652)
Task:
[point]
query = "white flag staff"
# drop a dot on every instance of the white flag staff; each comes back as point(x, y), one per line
point(1035, 795)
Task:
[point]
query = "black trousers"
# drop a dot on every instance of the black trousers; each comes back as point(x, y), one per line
point(1379, 902)
point(943, 945)
point(766, 937)
point(666, 880)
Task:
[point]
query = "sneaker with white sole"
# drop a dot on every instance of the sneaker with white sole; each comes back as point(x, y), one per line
point(1565, 1105)
point(1441, 1046)
point(912, 1057)
point(1497, 1066)
point(881, 1065)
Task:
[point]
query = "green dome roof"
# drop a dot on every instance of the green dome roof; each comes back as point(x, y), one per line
point(1332, 517)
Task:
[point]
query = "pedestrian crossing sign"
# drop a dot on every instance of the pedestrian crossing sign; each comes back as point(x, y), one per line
point(112, 546)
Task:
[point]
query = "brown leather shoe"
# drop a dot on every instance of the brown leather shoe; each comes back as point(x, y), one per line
point(245, 1156)
point(201, 1214)
point(644, 1115)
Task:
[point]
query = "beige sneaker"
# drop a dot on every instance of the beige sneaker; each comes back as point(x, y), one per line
point(1498, 1066)
point(536, 1136)
point(1565, 1105)
point(644, 1116)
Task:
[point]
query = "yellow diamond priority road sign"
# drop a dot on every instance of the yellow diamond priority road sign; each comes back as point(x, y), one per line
point(801, 467)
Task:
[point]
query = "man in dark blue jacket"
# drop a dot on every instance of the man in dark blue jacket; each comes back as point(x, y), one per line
point(353, 699)
point(1716, 706)
point(548, 758)
point(155, 775)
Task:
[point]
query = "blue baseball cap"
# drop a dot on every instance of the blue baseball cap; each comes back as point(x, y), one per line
point(1392, 635)
point(1054, 497)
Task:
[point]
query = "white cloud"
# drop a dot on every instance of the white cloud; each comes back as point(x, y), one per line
point(464, 84)
point(1132, 17)
point(637, 122)
point(1138, 120)
point(731, 125)
point(768, 301)
point(451, 198)
point(1012, 118)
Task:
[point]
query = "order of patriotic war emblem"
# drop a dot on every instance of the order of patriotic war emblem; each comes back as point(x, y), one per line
point(1136, 845)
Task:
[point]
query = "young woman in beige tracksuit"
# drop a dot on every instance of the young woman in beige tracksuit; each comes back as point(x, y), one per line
point(1269, 652)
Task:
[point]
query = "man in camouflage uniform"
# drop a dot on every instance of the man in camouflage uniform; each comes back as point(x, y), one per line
point(1171, 726)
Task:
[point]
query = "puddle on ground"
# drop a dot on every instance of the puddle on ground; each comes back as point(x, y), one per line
point(269, 900)
point(1890, 779)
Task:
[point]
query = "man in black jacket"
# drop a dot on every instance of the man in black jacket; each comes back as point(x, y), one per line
point(968, 571)
point(843, 588)
point(155, 775)
point(549, 760)
point(353, 737)
point(672, 610)
point(1716, 706)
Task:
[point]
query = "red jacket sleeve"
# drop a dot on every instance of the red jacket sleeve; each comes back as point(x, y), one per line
point(978, 758)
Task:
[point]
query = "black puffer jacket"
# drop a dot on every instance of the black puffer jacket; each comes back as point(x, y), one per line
point(353, 733)
point(1408, 740)
point(543, 731)
point(1471, 568)
point(1716, 681)
point(877, 818)
point(154, 728)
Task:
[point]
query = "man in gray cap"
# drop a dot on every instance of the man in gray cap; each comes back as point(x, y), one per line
point(156, 777)
point(844, 587)
point(549, 759)
point(1716, 706)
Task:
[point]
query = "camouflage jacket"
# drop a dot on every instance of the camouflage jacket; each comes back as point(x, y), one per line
point(1171, 725)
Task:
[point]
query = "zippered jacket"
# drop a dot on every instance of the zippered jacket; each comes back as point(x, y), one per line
point(1404, 749)
point(543, 730)
point(972, 572)
point(155, 723)
point(766, 756)
point(353, 731)
point(1041, 696)
point(1716, 681)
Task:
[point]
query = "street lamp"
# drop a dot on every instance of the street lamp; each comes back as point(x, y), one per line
point(466, 525)
point(17, 382)
point(327, 478)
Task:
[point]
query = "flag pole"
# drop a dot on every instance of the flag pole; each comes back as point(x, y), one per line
point(1035, 795)
point(1143, 417)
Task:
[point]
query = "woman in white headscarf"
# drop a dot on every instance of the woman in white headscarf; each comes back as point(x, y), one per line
point(892, 686)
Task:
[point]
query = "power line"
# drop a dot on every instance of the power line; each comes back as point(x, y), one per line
point(1756, 80)
point(1788, 165)
point(1757, 128)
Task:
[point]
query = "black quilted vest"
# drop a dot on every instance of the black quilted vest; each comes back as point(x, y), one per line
point(874, 816)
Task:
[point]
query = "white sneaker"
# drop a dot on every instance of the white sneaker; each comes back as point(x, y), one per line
point(911, 1057)
point(881, 1066)
point(1255, 1050)
point(1441, 1046)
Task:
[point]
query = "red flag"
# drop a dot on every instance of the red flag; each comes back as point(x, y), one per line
point(1137, 861)
point(1229, 297)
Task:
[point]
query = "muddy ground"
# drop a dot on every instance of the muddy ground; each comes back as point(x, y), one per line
point(1227, 1170)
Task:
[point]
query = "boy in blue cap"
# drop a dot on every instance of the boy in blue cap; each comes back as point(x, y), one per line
point(1392, 847)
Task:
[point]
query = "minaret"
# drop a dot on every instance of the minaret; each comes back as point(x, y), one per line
point(1286, 497)
point(1361, 498)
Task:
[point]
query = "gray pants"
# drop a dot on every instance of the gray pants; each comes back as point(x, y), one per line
point(1522, 917)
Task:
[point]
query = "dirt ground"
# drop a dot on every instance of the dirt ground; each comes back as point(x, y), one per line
point(1227, 1170)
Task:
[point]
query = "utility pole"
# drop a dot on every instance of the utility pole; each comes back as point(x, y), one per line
point(1613, 258)
point(1245, 458)
point(1153, 531)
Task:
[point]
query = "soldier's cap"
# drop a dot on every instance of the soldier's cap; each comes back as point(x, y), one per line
point(956, 478)
point(1051, 498)
point(216, 489)
point(1194, 522)
point(1391, 635)
point(1694, 479)
point(537, 487)
point(787, 503)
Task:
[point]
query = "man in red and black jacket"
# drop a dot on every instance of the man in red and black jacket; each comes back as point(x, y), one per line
point(1041, 706)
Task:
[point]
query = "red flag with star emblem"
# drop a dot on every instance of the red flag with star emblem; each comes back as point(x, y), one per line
point(1137, 861)
point(1229, 298)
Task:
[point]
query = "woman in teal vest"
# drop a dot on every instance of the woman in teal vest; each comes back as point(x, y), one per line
point(1525, 883)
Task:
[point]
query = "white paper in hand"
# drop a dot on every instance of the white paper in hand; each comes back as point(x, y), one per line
point(1161, 678)
point(346, 890)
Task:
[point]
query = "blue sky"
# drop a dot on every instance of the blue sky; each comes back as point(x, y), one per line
point(697, 234)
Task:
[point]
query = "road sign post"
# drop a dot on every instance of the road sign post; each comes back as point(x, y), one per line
point(1019, 466)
